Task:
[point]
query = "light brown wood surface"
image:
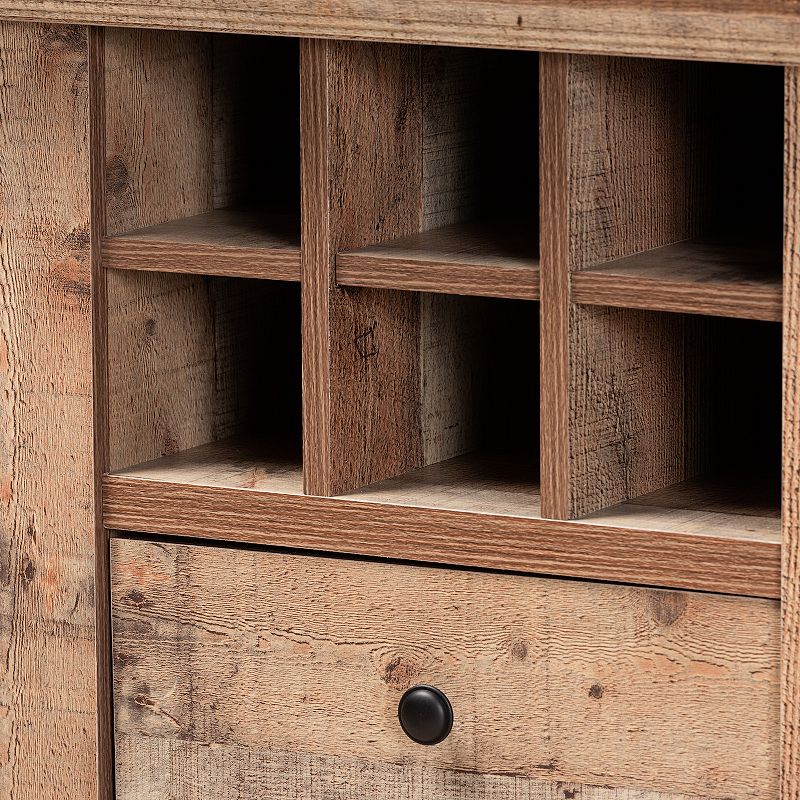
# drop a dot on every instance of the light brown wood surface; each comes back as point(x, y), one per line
point(548, 679)
point(191, 771)
point(491, 260)
point(48, 695)
point(630, 144)
point(726, 558)
point(554, 132)
point(158, 146)
point(221, 242)
point(102, 565)
point(696, 277)
point(746, 30)
point(184, 361)
point(790, 773)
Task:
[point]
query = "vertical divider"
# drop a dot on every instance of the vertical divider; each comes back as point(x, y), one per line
point(790, 667)
point(102, 583)
point(361, 178)
point(554, 265)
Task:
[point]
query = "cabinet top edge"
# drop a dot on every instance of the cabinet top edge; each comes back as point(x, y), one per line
point(748, 31)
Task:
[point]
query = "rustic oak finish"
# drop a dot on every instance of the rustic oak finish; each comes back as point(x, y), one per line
point(742, 281)
point(48, 691)
point(761, 31)
point(219, 242)
point(239, 773)
point(153, 289)
point(279, 667)
point(790, 773)
point(490, 260)
point(731, 561)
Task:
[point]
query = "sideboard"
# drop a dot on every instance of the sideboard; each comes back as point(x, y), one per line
point(355, 348)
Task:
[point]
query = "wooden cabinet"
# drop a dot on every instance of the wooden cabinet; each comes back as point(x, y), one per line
point(350, 347)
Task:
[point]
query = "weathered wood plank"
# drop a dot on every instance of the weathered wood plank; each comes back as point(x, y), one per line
point(157, 768)
point(549, 680)
point(790, 784)
point(764, 31)
point(48, 696)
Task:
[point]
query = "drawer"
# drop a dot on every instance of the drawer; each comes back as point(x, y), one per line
point(249, 674)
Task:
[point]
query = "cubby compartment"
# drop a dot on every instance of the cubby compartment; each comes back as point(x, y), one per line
point(202, 152)
point(677, 171)
point(690, 425)
point(475, 408)
point(204, 381)
point(475, 173)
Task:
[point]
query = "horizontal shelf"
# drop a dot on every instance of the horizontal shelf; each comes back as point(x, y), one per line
point(489, 259)
point(695, 277)
point(733, 506)
point(242, 244)
point(231, 463)
point(476, 482)
point(229, 492)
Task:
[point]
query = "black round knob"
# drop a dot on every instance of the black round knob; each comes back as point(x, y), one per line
point(425, 714)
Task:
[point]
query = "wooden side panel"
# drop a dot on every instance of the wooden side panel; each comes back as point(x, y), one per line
point(361, 177)
point(549, 680)
point(189, 771)
point(48, 698)
point(790, 784)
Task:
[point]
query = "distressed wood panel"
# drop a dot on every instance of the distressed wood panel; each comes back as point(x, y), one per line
point(746, 30)
point(549, 679)
point(159, 127)
point(48, 696)
point(790, 784)
point(631, 187)
point(157, 768)
point(362, 184)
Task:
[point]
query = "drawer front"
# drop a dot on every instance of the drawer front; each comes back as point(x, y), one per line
point(244, 674)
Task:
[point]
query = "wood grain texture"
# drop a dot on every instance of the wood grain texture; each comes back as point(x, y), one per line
point(633, 142)
point(190, 771)
point(790, 584)
point(48, 689)
point(582, 661)
point(737, 563)
point(102, 565)
point(222, 242)
point(362, 184)
point(763, 31)
point(632, 185)
point(696, 277)
point(159, 137)
point(554, 189)
point(490, 260)
point(185, 362)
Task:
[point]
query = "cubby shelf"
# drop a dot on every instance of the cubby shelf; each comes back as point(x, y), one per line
point(698, 277)
point(235, 463)
point(244, 244)
point(405, 370)
point(492, 259)
point(733, 506)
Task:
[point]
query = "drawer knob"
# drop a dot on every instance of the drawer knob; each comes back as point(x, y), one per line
point(425, 714)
